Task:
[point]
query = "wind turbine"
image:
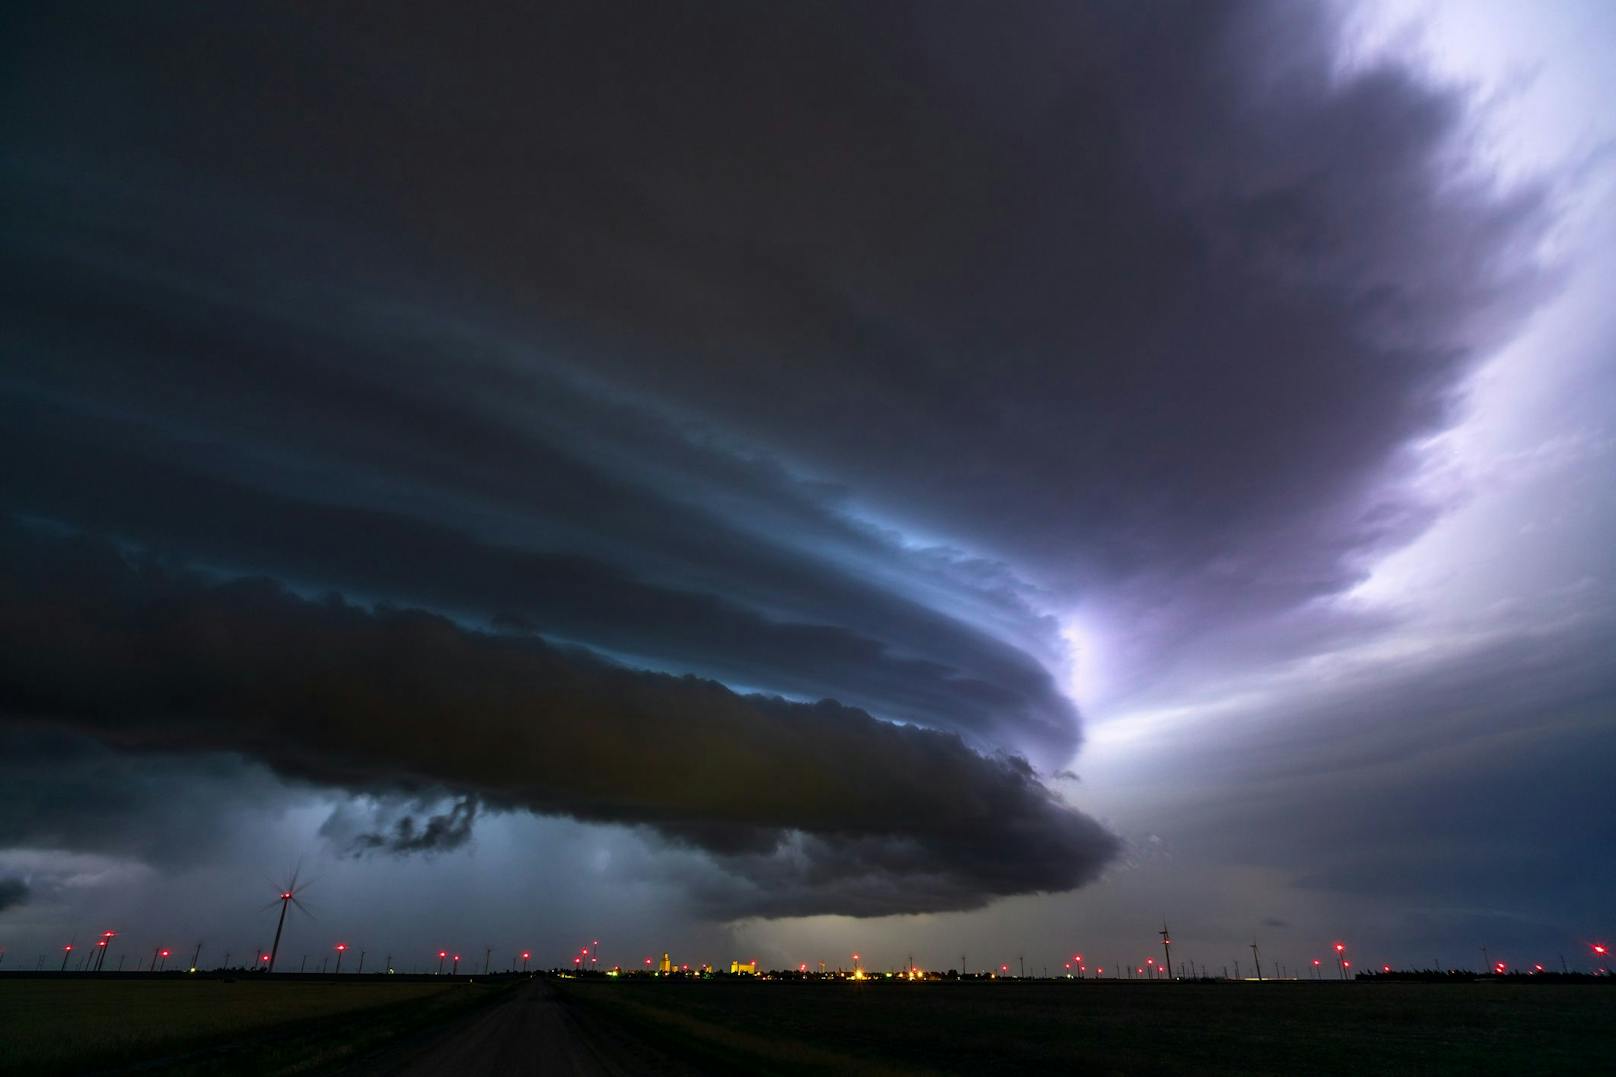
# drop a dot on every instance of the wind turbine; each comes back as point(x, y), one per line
point(287, 897)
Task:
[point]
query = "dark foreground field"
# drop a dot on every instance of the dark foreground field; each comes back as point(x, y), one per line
point(1114, 1027)
point(205, 1025)
point(389, 1027)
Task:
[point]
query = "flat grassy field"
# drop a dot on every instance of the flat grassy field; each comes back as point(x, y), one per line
point(204, 1025)
point(1290, 1028)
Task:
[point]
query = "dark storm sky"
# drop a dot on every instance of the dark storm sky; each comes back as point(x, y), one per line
point(735, 450)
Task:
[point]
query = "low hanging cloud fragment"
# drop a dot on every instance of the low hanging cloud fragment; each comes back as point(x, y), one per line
point(417, 830)
point(813, 808)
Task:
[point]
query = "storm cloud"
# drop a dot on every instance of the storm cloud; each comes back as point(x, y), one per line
point(245, 667)
point(1146, 302)
point(729, 422)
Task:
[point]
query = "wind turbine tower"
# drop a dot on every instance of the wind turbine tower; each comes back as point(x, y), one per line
point(1167, 947)
point(287, 897)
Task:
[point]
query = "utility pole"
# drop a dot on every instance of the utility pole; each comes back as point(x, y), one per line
point(488, 955)
point(1256, 960)
point(196, 955)
point(1167, 948)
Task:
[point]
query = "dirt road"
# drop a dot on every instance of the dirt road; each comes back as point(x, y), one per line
point(531, 1032)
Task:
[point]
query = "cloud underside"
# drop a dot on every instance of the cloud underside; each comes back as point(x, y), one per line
point(813, 808)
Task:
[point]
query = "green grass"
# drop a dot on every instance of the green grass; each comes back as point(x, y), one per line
point(246, 1026)
point(1113, 1027)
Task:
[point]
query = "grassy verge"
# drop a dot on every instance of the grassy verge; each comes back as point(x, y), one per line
point(1110, 1028)
point(250, 1027)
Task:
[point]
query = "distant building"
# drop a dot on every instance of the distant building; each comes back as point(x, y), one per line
point(747, 968)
